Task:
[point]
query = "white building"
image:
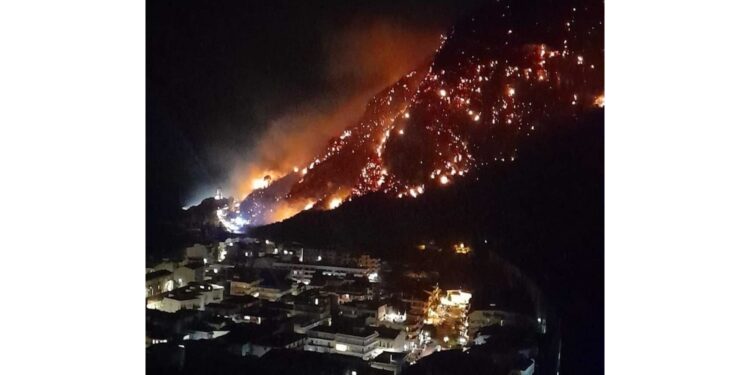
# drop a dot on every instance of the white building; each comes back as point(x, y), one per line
point(158, 282)
point(165, 265)
point(273, 290)
point(393, 340)
point(243, 287)
point(190, 272)
point(194, 296)
point(196, 252)
point(306, 270)
point(374, 311)
point(455, 298)
point(361, 342)
point(392, 362)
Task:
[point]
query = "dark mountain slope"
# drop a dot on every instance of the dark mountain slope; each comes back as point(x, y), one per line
point(544, 212)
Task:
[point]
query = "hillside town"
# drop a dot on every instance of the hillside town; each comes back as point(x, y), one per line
point(287, 306)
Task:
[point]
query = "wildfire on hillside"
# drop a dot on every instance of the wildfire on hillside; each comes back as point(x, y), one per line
point(491, 82)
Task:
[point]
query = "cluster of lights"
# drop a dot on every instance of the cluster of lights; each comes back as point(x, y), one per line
point(233, 221)
point(449, 309)
point(460, 248)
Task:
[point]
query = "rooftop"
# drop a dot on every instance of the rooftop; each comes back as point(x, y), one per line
point(157, 274)
point(286, 361)
point(389, 357)
point(346, 327)
point(191, 291)
point(245, 275)
point(388, 333)
point(194, 265)
point(279, 340)
point(362, 305)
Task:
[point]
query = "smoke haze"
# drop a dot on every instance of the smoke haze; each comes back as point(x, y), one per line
point(364, 58)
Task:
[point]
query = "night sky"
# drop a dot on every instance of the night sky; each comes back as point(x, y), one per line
point(220, 73)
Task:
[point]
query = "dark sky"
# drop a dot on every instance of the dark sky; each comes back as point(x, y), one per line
point(221, 73)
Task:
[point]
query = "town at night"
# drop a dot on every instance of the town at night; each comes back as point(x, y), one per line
point(374, 187)
point(431, 229)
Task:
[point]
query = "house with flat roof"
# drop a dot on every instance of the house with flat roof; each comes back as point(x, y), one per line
point(189, 272)
point(392, 340)
point(243, 282)
point(361, 342)
point(158, 282)
point(194, 296)
point(392, 362)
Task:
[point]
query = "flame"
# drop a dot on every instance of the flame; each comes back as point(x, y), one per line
point(599, 101)
point(335, 202)
point(256, 179)
point(261, 182)
point(459, 114)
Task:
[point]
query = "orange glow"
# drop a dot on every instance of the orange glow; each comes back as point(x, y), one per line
point(461, 248)
point(284, 211)
point(256, 179)
point(335, 202)
point(339, 148)
point(261, 182)
point(599, 101)
point(297, 136)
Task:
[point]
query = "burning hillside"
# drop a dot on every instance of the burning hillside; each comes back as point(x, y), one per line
point(496, 77)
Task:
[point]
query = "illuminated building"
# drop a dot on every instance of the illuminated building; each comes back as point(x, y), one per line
point(273, 289)
point(258, 344)
point(158, 282)
point(243, 286)
point(392, 362)
point(461, 248)
point(312, 303)
point(456, 298)
point(193, 271)
point(360, 342)
point(262, 283)
point(194, 296)
point(372, 311)
point(392, 340)
point(302, 324)
point(197, 252)
point(307, 270)
point(349, 292)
